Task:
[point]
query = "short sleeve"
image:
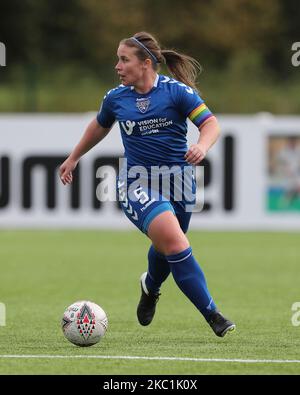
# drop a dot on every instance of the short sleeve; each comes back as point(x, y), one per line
point(194, 107)
point(105, 116)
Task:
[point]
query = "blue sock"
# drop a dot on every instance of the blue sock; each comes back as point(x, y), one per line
point(158, 270)
point(190, 279)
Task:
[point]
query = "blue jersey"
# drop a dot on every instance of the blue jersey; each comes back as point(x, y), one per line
point(154, 125)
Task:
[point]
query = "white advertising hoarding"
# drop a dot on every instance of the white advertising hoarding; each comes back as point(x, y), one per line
point(251, 175)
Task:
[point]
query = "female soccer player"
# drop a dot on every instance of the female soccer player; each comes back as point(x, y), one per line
point(152, 112)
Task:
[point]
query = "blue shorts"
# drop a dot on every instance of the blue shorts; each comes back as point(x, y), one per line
point(144, 199)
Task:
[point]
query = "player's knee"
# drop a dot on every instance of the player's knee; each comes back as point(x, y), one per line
point(174, 247)
point(166, 234)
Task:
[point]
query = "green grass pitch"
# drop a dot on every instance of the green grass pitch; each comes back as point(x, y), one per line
point(253, 277)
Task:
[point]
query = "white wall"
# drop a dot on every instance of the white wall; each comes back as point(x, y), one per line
point(23, 136)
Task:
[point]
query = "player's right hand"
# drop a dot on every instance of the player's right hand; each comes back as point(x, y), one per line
point(66, 169)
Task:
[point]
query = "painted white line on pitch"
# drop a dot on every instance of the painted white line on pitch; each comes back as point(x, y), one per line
point(153, 358)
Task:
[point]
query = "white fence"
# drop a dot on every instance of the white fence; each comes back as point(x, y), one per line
point(251, 175)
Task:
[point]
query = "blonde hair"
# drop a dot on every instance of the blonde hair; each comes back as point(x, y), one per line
point(182, 67)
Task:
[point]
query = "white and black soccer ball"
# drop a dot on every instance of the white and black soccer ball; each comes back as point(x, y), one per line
point(84, 323)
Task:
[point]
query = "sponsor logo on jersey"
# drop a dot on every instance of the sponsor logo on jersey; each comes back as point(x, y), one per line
point(128, 127)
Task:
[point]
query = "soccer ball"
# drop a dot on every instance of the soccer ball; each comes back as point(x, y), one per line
point(84, 323)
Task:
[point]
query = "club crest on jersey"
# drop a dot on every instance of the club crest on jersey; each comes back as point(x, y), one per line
point(143, 104)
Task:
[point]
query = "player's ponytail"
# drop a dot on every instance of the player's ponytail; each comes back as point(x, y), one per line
point(182, 67)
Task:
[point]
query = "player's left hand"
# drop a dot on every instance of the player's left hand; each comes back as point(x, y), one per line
point(195, 154)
